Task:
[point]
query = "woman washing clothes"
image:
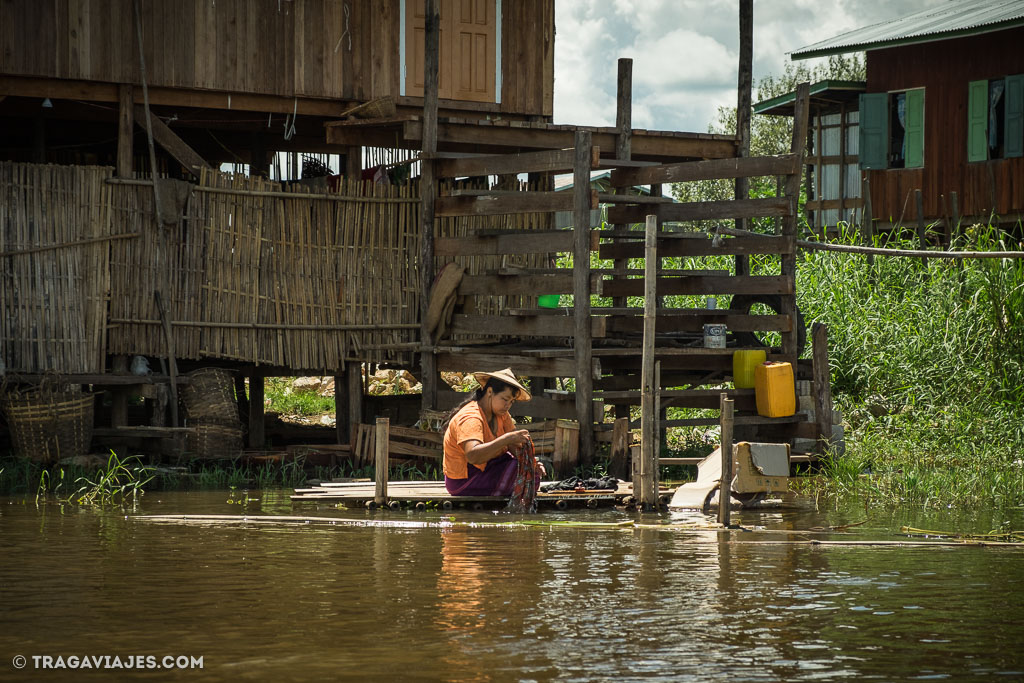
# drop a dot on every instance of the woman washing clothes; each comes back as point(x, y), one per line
point(481, 441)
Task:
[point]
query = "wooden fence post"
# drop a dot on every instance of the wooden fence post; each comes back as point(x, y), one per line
point(620, 449)
point(648, 409)
point(382, 434)
point(725, 487)
point(822, 385)
point(581, 297)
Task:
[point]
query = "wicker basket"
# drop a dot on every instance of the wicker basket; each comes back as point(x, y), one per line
point(209, 396)
point(49, 425)
point(214, 440)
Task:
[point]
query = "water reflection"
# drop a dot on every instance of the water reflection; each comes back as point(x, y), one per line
point(499, 603)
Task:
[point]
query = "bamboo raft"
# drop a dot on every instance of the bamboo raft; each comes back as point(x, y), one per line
point(419, 493)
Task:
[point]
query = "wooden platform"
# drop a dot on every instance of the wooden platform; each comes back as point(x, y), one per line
point(411, 492)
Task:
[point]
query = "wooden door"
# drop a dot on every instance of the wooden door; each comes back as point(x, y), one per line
point(468, 49)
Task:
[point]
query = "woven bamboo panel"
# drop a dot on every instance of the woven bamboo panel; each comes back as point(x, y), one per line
point(245, 272)
point(54, 269)
point(168, 259)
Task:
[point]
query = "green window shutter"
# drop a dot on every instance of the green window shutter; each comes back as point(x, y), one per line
point(977, 121)
point(874, 130)
point(1014, 140)
point(914, 131)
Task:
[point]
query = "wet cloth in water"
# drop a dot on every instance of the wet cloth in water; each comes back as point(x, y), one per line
point(524, 492)
point(573, 483)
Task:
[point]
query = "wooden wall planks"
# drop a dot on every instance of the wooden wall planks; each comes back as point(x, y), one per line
point(944, 68)
point(314, 48)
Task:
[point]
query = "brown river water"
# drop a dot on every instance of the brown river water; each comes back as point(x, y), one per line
point(440, 600)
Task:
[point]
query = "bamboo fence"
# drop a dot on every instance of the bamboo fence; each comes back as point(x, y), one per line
point(55, 232)
point(247, 271)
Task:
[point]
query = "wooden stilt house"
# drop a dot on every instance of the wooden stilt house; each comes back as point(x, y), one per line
point(190, 267)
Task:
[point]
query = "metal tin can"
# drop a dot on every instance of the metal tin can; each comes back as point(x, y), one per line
point(714, 336)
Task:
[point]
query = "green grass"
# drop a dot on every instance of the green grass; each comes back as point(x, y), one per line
point(928, 369)
point(281, 398)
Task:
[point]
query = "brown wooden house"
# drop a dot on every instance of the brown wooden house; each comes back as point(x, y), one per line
point(231, 77)
point(942, 112)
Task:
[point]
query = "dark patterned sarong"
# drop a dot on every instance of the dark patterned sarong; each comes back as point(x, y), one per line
point(497, 479)
point(524, 492)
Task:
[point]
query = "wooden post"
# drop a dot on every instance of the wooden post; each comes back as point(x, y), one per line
point(822, 385)
point(354, 380)
point(257, 435)
point(623, 140)
point(725, 488)
point(648, 409)
point(842, 162)
point(922, 236)
point(38, 140)
point(867, 221)
point(954, 203)
point(172, 363)
point(380, 472)
point(743, 110)
point(241, 398)
point(789, 222)
point(119, 400)
point(428, 193)
point(341, 427)
point(617, 465)
point(581, 297)
point(353, 163)
point(258, 157)
point(125, 129)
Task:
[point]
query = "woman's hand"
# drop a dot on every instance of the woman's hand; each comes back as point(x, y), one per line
point(516, 439)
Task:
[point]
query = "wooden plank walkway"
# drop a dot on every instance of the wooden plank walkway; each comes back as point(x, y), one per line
point(359, 492)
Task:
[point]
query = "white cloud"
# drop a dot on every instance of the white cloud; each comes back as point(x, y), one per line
point(685, 52)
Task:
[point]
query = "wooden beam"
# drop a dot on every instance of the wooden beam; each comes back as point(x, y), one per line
point(484, 135)
point(514, 202)
point(519, 326)
point(536, 242)
point(705, 170)
point(125, 130)
point(674, 246)
point(584, 200)
point(521, 285)
point(174, 145)
point(741, 284)
point(466, 360)
point(734, 322)
point(95, 91)
point(700, 211)
point(553, 161)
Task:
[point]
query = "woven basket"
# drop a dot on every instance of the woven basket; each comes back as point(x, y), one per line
point(49, 425)
point(214, 441)
point(209, 395)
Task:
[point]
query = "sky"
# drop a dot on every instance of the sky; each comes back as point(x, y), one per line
point(685, 52)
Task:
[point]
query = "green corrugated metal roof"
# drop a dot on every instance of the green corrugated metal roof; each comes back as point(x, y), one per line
point(951, 20)
point(783, 104)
